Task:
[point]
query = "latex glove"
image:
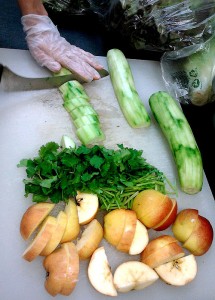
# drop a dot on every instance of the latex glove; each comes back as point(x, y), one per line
point(51, 50)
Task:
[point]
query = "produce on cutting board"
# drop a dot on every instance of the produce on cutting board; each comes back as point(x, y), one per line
point(179, 135)
point(123, 83)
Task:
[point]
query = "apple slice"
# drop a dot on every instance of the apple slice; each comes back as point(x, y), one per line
point(62, 267)
point(151, 207)
point(41, 239)
point(133, 275)
point(33, 217)
point(99, 273)
point(72, 227)
point(178, 272)
point(140, 240)
point(114, 222)
point(90, 239)
point(127, 237)
point(169, 219)
point(161, 250)
point(88, 205)
point(201, 238)
point(57, 234)
point(184, 224)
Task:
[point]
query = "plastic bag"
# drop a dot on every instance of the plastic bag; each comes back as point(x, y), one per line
point(162, 25)
point(189, 73)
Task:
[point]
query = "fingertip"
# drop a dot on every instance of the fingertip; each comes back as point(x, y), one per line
point(53, 66)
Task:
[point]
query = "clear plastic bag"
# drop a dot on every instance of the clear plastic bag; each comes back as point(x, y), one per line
point(189, 73)
point(162, 25)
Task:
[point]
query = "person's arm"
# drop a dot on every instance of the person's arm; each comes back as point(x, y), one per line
point(47, 46)
point(32, 7)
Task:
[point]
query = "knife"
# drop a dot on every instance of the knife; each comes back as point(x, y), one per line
point(10, 81)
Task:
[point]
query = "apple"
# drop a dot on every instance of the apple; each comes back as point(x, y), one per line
point(62, 267)
point(201, 238)
point(56, 235)
point(178, 272)
point(41, 239)
point(133, 275)
point(123, 230)
point(114, 222)
point(184, 224)
point(87, 205)
point(33, 217)
point(161, 250)
point(152, 208)
point(194, 231)
point(90, 239)
point(99, 273)
point(169, 219)
point(128, 233)
point(72, 227)
point(140, 240)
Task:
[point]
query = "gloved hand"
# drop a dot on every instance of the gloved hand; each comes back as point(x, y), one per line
point(51, 50)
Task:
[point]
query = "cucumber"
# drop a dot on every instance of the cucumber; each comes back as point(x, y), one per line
point(90, 134)
point(123, 84)
point(179, 135)
point(73, 103)
point(76, 102)
point(84, 120)
point(82, 111)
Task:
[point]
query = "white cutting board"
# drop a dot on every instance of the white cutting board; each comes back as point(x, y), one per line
point(30, 119)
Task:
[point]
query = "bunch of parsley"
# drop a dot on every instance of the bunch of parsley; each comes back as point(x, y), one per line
point(116, 176)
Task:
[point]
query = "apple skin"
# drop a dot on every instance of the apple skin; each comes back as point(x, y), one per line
point(128, 232)
point(169, 219)
point(161, 250)
point(62, 267)
point(201, 237)
point(151, 207)
point(184, 224)
point(33, 217)
point(90, 239)
point(114, 222)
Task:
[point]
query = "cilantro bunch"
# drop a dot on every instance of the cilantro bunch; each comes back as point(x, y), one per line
point(116, 176)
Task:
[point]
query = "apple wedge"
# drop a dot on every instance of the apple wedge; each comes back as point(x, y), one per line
point(133, 275)
point(90, 239)
point(114, 222)
point(72, 227)
point(41, 239)
point(88, 205)
point(99, 273)
point(62, 267)
point(33, 217)
point(161, 250)
point(127, 236)
point(140, 240)
point(169, 219)
point(178, 272)
point(57, 234)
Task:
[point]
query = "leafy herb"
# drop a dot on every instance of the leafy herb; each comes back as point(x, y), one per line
point(116, 176)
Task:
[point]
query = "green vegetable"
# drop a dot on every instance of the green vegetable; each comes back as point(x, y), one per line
point(77, 104)
point(179, 135)
point(125, 91)
point(116, 176)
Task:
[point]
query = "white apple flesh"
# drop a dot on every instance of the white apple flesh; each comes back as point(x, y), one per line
point(87, 205)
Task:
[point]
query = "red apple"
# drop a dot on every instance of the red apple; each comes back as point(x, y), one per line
point(161, 250)
point(169, 219)
point(201, 237)
point(184, 224)
point(152, 207)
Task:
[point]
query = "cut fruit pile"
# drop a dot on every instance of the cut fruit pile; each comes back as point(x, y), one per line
point(75, 234)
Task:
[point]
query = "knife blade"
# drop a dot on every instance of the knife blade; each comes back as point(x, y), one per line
point(10, 81)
